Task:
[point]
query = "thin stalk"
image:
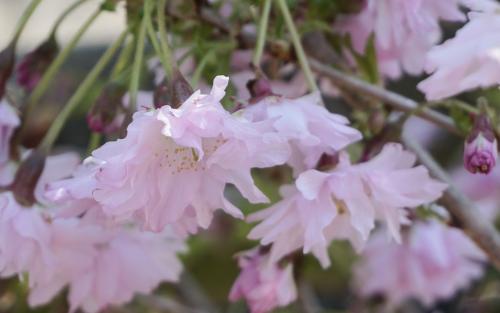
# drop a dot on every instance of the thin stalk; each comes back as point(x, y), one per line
point(261, 36)
point(154, 39)
point(123, 60)
point(138, 60)
point(301, 55)
point(162, 4)
point(199, 69)
point(24, 20)
point(63, 16)
point(80, 93)
point(48, 76)
point(94, 142)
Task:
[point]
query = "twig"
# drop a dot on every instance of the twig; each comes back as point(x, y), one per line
point(482, 232)
point(395, 100)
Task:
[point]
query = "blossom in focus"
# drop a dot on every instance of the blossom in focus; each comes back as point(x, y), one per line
point(404, 31)
point(307, 125)
point(481, 148)
point(433, 263)
point(31, 68)
point(264, 285)
point(173, 165)
point(9, 121)
point(344, 203)
point(469, 60)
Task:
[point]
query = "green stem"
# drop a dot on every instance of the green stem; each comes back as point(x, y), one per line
point(138, 60)
point(94, 142)
point(48, 76)
point(199, 69)
point(167, 66)
point(162, 4)
point(301, 55)
point(123, 60)
point(63, 16)
point(80, 93)
point(24, 20)
point(261, 37)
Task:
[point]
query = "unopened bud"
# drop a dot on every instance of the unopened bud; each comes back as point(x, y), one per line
point(481, 150)
point(34, 64)
point(259, 88)
point(7, 59)
point(26, 178)
point(107, 114)
point(172, 92)
point(327, 161)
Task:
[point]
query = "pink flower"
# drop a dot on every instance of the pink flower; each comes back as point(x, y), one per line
point(9, 121)
point(433, 263)
point(344, 203)
point(404, 31)
point(173, 165)
point(469, 60)
point(309, 128)
point(264, 285)
point(481, 148)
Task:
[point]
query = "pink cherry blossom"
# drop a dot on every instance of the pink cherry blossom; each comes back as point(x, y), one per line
point(404, 31)
point(264, 285)
point(468, 61)
point(9, 121)
point(433, 263)
point(310, 129)
point(344, 203)
point(173, 165)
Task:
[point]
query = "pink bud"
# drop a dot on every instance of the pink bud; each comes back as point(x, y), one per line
point(481, 150)
point(259, 88)
point(107, 114)
point(34, 64)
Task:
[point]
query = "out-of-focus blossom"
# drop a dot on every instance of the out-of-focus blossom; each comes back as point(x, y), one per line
point(481, 148)
point(309, 128)
point(9, 121)
point(469, 60)
point(264, 285)
point(104, 267)
point(34, 64)
point(433, 263)
point(344, 203)
point(174, 164)
point(404, 30)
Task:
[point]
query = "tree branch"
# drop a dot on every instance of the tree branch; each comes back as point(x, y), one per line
point(481, 231)
point(395, 100)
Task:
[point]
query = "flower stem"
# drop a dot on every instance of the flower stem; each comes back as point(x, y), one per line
point(94, 142)
point(139, 57)
point(48, 76)
point(164, 36)
point(261, 37)
point(167, 66)
point(80, 93)
point(24, 20)
point(63, 16)
point(301, 55)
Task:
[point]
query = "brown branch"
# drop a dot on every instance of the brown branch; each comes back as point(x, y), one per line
point(460, 207)
point(395, 100)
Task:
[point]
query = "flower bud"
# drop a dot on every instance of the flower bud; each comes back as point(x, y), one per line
point(34, 64)
point(259, 88)
point(107, 114)
point(26, 178)
point(7, 59)
point(173, 92)
point(481, 151)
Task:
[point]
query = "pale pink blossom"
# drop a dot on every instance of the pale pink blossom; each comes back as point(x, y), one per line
point(344, 203)
point(9, 121)
point(404, 30)
point(468, 61)
point(308, 126)
point(173, 165)
point(264, 285)
point(433, 263)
